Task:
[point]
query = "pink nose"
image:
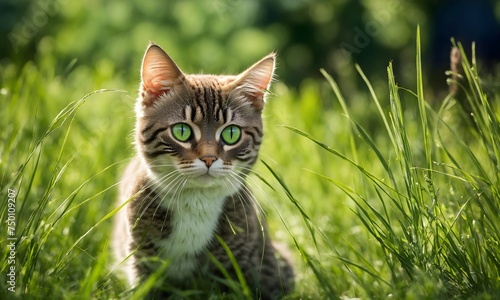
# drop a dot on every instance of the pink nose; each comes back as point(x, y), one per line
point(208, 160)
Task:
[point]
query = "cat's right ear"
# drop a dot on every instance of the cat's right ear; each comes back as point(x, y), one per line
point(256, 80)
point(159, 74)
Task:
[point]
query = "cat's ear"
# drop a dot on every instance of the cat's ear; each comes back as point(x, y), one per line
point(159, 74)
point(256, 80)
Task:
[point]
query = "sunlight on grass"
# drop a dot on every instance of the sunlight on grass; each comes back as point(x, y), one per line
point(436, 224)
point(406, 207)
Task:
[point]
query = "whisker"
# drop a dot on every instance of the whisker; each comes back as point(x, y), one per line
point(244, 178)
point(242, 201)
point(155, 184)
point(174, 199)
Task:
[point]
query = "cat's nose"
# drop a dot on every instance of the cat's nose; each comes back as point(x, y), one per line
point(208, 160)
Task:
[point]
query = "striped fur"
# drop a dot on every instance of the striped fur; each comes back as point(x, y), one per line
point(183, 194)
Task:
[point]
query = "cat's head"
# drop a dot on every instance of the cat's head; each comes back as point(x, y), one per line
point(200, 130)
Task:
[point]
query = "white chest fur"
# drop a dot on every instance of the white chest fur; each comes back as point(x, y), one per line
point(195, 215)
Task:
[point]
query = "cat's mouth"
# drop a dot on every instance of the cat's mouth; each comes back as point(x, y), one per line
point(210, 174)
point(203, 176)
point(205, 180)
point(206, 176)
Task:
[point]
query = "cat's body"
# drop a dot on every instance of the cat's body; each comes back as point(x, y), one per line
point(197, 136)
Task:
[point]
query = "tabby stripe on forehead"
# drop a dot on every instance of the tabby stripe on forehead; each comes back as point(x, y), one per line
point(194, 95)
point(213, 103)
point(189, 113)
point(218, 101)
point(228, 116)
point(232, 115)
point(209, 97)
point(199, 96)
point(218, 89)
point(194, 111)
point(220, 115)
point(154, 135)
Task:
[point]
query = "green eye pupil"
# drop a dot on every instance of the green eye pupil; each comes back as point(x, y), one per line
point(231, 134)
point(181, 132)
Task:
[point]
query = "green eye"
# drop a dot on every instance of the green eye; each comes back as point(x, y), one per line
point(181, 131)
point(231, 134)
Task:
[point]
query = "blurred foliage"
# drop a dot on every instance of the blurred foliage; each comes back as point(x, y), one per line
point(228, 35)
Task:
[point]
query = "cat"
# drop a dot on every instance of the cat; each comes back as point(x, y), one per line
point(184, 194)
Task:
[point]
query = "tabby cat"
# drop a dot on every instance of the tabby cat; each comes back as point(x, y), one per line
point(185, 197)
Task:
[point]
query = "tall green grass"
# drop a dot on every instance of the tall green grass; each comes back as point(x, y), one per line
point(375, 197)
point(433, 209)
point(50, 157)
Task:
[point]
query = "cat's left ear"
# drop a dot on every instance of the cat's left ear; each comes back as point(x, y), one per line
point(256, 80)
point(159, 74)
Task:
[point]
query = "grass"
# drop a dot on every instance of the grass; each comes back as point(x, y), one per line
point(378, 198)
